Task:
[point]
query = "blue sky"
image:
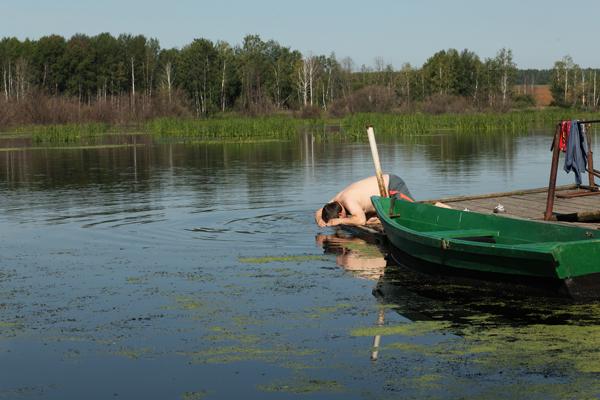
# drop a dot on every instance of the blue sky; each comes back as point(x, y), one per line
point(538, 32)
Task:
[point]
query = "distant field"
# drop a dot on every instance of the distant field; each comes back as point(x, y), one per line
point(541, 93)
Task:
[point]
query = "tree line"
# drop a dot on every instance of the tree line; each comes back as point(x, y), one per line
point(574, 86)
point(133, 73)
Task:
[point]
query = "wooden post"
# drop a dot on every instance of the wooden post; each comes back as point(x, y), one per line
point(553, 172)
point(590, 158)
point(382, 188)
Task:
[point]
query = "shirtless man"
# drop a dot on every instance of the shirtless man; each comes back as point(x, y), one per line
point(352, 206)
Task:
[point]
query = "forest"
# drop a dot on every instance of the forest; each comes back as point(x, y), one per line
point(130, 78)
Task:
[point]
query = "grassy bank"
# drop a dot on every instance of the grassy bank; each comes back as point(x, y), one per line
point(518, 122)
point(244, 129)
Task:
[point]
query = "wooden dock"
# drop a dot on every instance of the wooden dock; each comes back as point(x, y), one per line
point(582, 210)
point(530, 204)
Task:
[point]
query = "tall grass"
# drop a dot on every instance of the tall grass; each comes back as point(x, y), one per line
point(232, 128)
point(483, 123)
point(283, 127)
point(63, 133)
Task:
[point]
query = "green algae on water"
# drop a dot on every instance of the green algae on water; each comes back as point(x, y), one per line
point(10, 325)
point(333, 309)
point(133, 354)
point(270, 259)
point(246, 352)
point(220, 334)
point(134, 279)
point(407, 329)
point(188, 303)
point(196, 395)
point(566, 347)
point(303, 386)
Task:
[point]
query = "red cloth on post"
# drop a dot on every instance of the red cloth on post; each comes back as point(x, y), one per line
point(565, 128)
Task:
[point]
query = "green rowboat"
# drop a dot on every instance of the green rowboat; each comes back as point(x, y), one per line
point(493, 246)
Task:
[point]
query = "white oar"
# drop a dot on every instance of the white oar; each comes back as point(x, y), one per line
point(382, 188)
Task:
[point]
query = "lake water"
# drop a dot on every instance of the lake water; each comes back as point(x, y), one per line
point(195, 271)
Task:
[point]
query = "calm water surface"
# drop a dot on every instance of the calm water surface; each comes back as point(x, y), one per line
point(195, 271)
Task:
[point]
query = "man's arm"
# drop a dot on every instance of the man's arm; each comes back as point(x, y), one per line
point(357, 216)
point(351, 220)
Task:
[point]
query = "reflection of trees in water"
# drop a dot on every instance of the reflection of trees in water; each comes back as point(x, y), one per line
point(266, 167)
point(453, 154)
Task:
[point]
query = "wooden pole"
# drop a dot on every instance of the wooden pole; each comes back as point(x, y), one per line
point(553, 172)
point(382, 188)
point(590, 158)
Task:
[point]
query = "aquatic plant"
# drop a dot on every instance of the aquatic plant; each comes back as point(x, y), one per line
point(197, 395)
point(231, 128)
point(407, 329)
point(303, 386)
point(518, 122)
point(228, 128)
point(63, 133)
point(270, 259)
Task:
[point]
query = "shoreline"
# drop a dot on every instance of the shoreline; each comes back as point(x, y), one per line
point(281, 126)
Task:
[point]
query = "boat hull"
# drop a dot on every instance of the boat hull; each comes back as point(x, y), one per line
point(494, 247)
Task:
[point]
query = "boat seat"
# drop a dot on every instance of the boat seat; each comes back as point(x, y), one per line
point(463, 233)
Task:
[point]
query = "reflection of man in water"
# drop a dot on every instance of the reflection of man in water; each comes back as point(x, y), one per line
point(352, 206)
point(361, 258)
point(354, 255)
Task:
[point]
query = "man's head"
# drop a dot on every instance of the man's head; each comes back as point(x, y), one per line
point(332, 210)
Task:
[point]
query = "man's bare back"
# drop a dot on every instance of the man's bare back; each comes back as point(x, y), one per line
point(352, 206)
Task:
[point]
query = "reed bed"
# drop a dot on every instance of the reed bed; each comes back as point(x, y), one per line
point(521, 122)
point(63, 133)
point(242, 129)
point(284, 127)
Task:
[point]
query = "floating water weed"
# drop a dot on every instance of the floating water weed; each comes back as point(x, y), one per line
point(270, 259)
point(303, 386)
point(408, 329)
point(231, 128)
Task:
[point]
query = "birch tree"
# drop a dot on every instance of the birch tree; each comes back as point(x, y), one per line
point(198, 74)
point(507, 69)
point(561, 86)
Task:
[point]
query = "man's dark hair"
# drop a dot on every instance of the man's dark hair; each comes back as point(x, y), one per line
point(331, 210)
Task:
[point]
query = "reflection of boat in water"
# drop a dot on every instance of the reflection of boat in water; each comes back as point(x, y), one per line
point(494, 248)
point(478, 327)
point(472, 312)
point(419, 292)
point(426, 297)
point(357, 256)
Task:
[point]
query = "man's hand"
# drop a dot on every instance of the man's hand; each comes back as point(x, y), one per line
point(335, 221)
point(373, 220)
point(319, 218)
